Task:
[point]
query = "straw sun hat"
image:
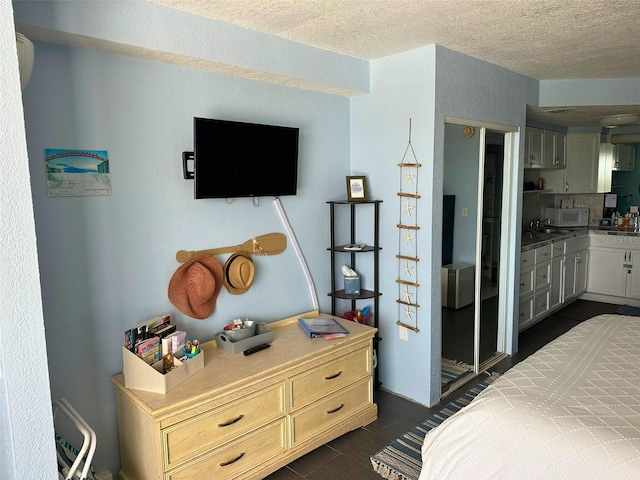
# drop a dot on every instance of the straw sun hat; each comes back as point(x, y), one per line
point(195, 285)
point(238, 273)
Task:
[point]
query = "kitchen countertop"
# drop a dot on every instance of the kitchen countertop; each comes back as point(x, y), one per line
point(531, 240)
point(539, 238)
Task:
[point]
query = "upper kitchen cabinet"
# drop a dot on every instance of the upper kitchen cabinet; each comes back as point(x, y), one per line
point(558, 149)
point(624, 157)
point(533, 148)
point(586, 170)
point(544, 148)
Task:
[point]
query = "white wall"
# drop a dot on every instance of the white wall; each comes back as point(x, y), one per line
point(25, 402)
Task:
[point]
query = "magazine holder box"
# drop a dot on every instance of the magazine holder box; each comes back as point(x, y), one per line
point(142, 376)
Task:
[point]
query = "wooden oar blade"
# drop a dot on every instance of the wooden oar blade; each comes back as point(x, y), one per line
point(268, 244)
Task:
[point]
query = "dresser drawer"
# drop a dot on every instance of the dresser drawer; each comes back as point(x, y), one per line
point(199, 434)
point(329, 377)
point(327, 413)
point(236, 457)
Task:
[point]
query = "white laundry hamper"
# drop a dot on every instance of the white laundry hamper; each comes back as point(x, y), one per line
point(74, 463)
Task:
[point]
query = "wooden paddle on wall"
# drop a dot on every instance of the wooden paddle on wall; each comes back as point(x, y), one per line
point(267, 244)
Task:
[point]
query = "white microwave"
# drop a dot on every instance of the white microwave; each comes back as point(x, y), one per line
point(567, 217)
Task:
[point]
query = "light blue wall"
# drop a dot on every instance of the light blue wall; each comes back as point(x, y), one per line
point(105, 262)
point(402, 90)
point(143, 27)
point(603, 91)
point(425, 85)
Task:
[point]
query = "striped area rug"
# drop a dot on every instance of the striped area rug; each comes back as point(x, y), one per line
point(452, 370)
point(402, 459)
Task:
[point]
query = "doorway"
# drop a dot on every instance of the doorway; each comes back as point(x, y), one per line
point(473, 326)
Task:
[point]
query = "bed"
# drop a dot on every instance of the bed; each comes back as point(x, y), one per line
point(569, 411)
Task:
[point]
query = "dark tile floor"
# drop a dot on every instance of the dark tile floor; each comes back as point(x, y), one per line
point(347, 457)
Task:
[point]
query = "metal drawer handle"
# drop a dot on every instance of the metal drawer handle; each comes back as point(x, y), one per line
point(522, 284)
point(336, 375)
point(336, 409)
point(230, 422)
point(524, 260)
point(224, 464)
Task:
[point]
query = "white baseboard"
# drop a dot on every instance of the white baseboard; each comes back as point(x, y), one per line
point(596, 297)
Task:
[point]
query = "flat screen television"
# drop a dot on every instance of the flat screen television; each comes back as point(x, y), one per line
point(237, 159)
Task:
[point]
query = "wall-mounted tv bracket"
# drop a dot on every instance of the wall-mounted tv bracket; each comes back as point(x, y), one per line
point(187, 161)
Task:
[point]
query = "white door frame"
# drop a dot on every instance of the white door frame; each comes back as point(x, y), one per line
point(506, 314)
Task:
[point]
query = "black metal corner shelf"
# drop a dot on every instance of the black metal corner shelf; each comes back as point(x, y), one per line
point(337, 249)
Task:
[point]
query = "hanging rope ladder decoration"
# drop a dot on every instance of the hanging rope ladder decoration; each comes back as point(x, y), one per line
point(408, 241)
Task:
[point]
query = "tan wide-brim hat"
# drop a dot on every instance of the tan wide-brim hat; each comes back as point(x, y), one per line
point(238, 273)
point(195, 285)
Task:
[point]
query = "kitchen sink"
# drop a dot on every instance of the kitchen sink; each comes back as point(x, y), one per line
point(555, 230)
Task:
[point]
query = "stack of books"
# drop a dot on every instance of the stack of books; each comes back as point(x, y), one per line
point(326, 328)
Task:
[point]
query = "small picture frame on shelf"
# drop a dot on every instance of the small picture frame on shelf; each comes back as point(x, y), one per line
point(356, 189)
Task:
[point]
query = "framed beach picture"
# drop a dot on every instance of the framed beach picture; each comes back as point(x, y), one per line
point(356, 189)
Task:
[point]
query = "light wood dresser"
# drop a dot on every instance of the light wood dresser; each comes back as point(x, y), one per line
point(244, 417)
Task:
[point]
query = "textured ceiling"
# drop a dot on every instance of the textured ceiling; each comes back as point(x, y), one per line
point(543, 39)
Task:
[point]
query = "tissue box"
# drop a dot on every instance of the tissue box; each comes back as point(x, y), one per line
point(352, 285)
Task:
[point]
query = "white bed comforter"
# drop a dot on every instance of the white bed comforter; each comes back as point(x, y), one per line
point(570, 411)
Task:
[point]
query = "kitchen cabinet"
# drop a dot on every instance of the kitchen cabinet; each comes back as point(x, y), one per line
point(586, 170)
point(621, 157)
point(554, 149)
point(556, 291)
point(575, 267)
point(616, 259)
point(533, 147)
point(624, 158)
point(535, 285)
point(568, 270)
point(544, 149)
point(551, 276)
